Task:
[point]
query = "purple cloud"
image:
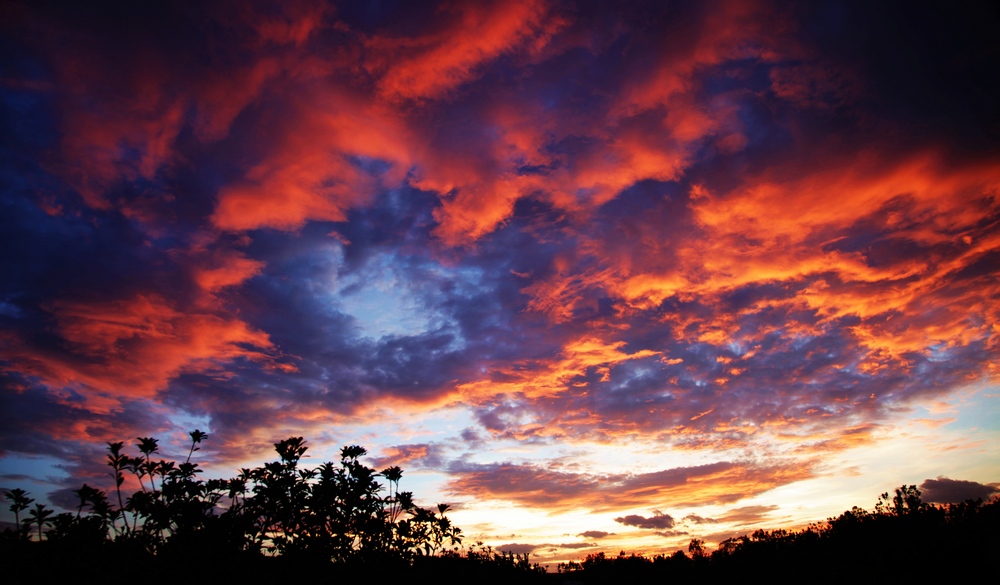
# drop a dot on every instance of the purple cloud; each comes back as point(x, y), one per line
point(944, 490)
point(658, 520)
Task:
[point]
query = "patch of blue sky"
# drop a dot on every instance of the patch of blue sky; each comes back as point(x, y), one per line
point(382, 309)
point(981, 410)
point(9, 310)
point(36, 475)
point(800, 341)
point(378, 297)
point(389, 428)
point(390, 297)
point(180, 439)
point(938, 352)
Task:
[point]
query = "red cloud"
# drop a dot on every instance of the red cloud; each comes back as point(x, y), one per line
point(313, 166)
point(473, 35)
point(407, 456)
point(133, 347)
point(327, 115)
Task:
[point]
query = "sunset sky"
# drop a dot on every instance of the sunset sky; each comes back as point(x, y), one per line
point(600, 275)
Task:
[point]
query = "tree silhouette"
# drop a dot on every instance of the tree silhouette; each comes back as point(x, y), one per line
point(306, 521)
point(19, 502)
point(39, 515)
point(902, 539)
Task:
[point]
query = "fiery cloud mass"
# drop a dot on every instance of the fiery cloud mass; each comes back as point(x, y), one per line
point(600, 275)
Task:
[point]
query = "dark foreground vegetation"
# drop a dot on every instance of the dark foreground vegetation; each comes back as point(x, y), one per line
point(902, 540)
point(347, 521)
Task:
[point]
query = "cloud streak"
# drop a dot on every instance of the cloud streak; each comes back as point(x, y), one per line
point(531, 485)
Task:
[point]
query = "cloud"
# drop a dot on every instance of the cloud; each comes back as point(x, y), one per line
point(945, 491)
point(528, 548)
point(658, 520)
point(518, 549)
point(132, 347)
point(694, 518)
point(468, 37)
point(410, 456)
point(747, 515)
point(535, 486)
point(318, 163)
point(595, 534)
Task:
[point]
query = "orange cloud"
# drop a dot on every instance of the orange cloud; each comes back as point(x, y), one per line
point(475, 33)
point(544, 379)
point(133, 347)
point(626, 144)
point(130, 132)
point(224, 269)
point(718, 32)
point(788, 203)
point(315, 166)
point(786, 233)
point(558, 491)
point(309, 167)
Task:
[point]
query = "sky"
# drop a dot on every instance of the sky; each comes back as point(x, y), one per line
point(602, 276)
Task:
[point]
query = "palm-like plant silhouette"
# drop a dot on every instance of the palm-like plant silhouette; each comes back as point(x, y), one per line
point(147, 446)
point(19, 502)
point(118, 462)
point(39, 515)
point(196, 438)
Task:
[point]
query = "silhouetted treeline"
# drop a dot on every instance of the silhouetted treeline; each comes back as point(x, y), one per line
point(903, 538)
point(344, 520)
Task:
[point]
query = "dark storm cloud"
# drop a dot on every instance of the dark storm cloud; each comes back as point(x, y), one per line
point(944, 490)
point(595, 534)
point(517, 549)
point(658, 520)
